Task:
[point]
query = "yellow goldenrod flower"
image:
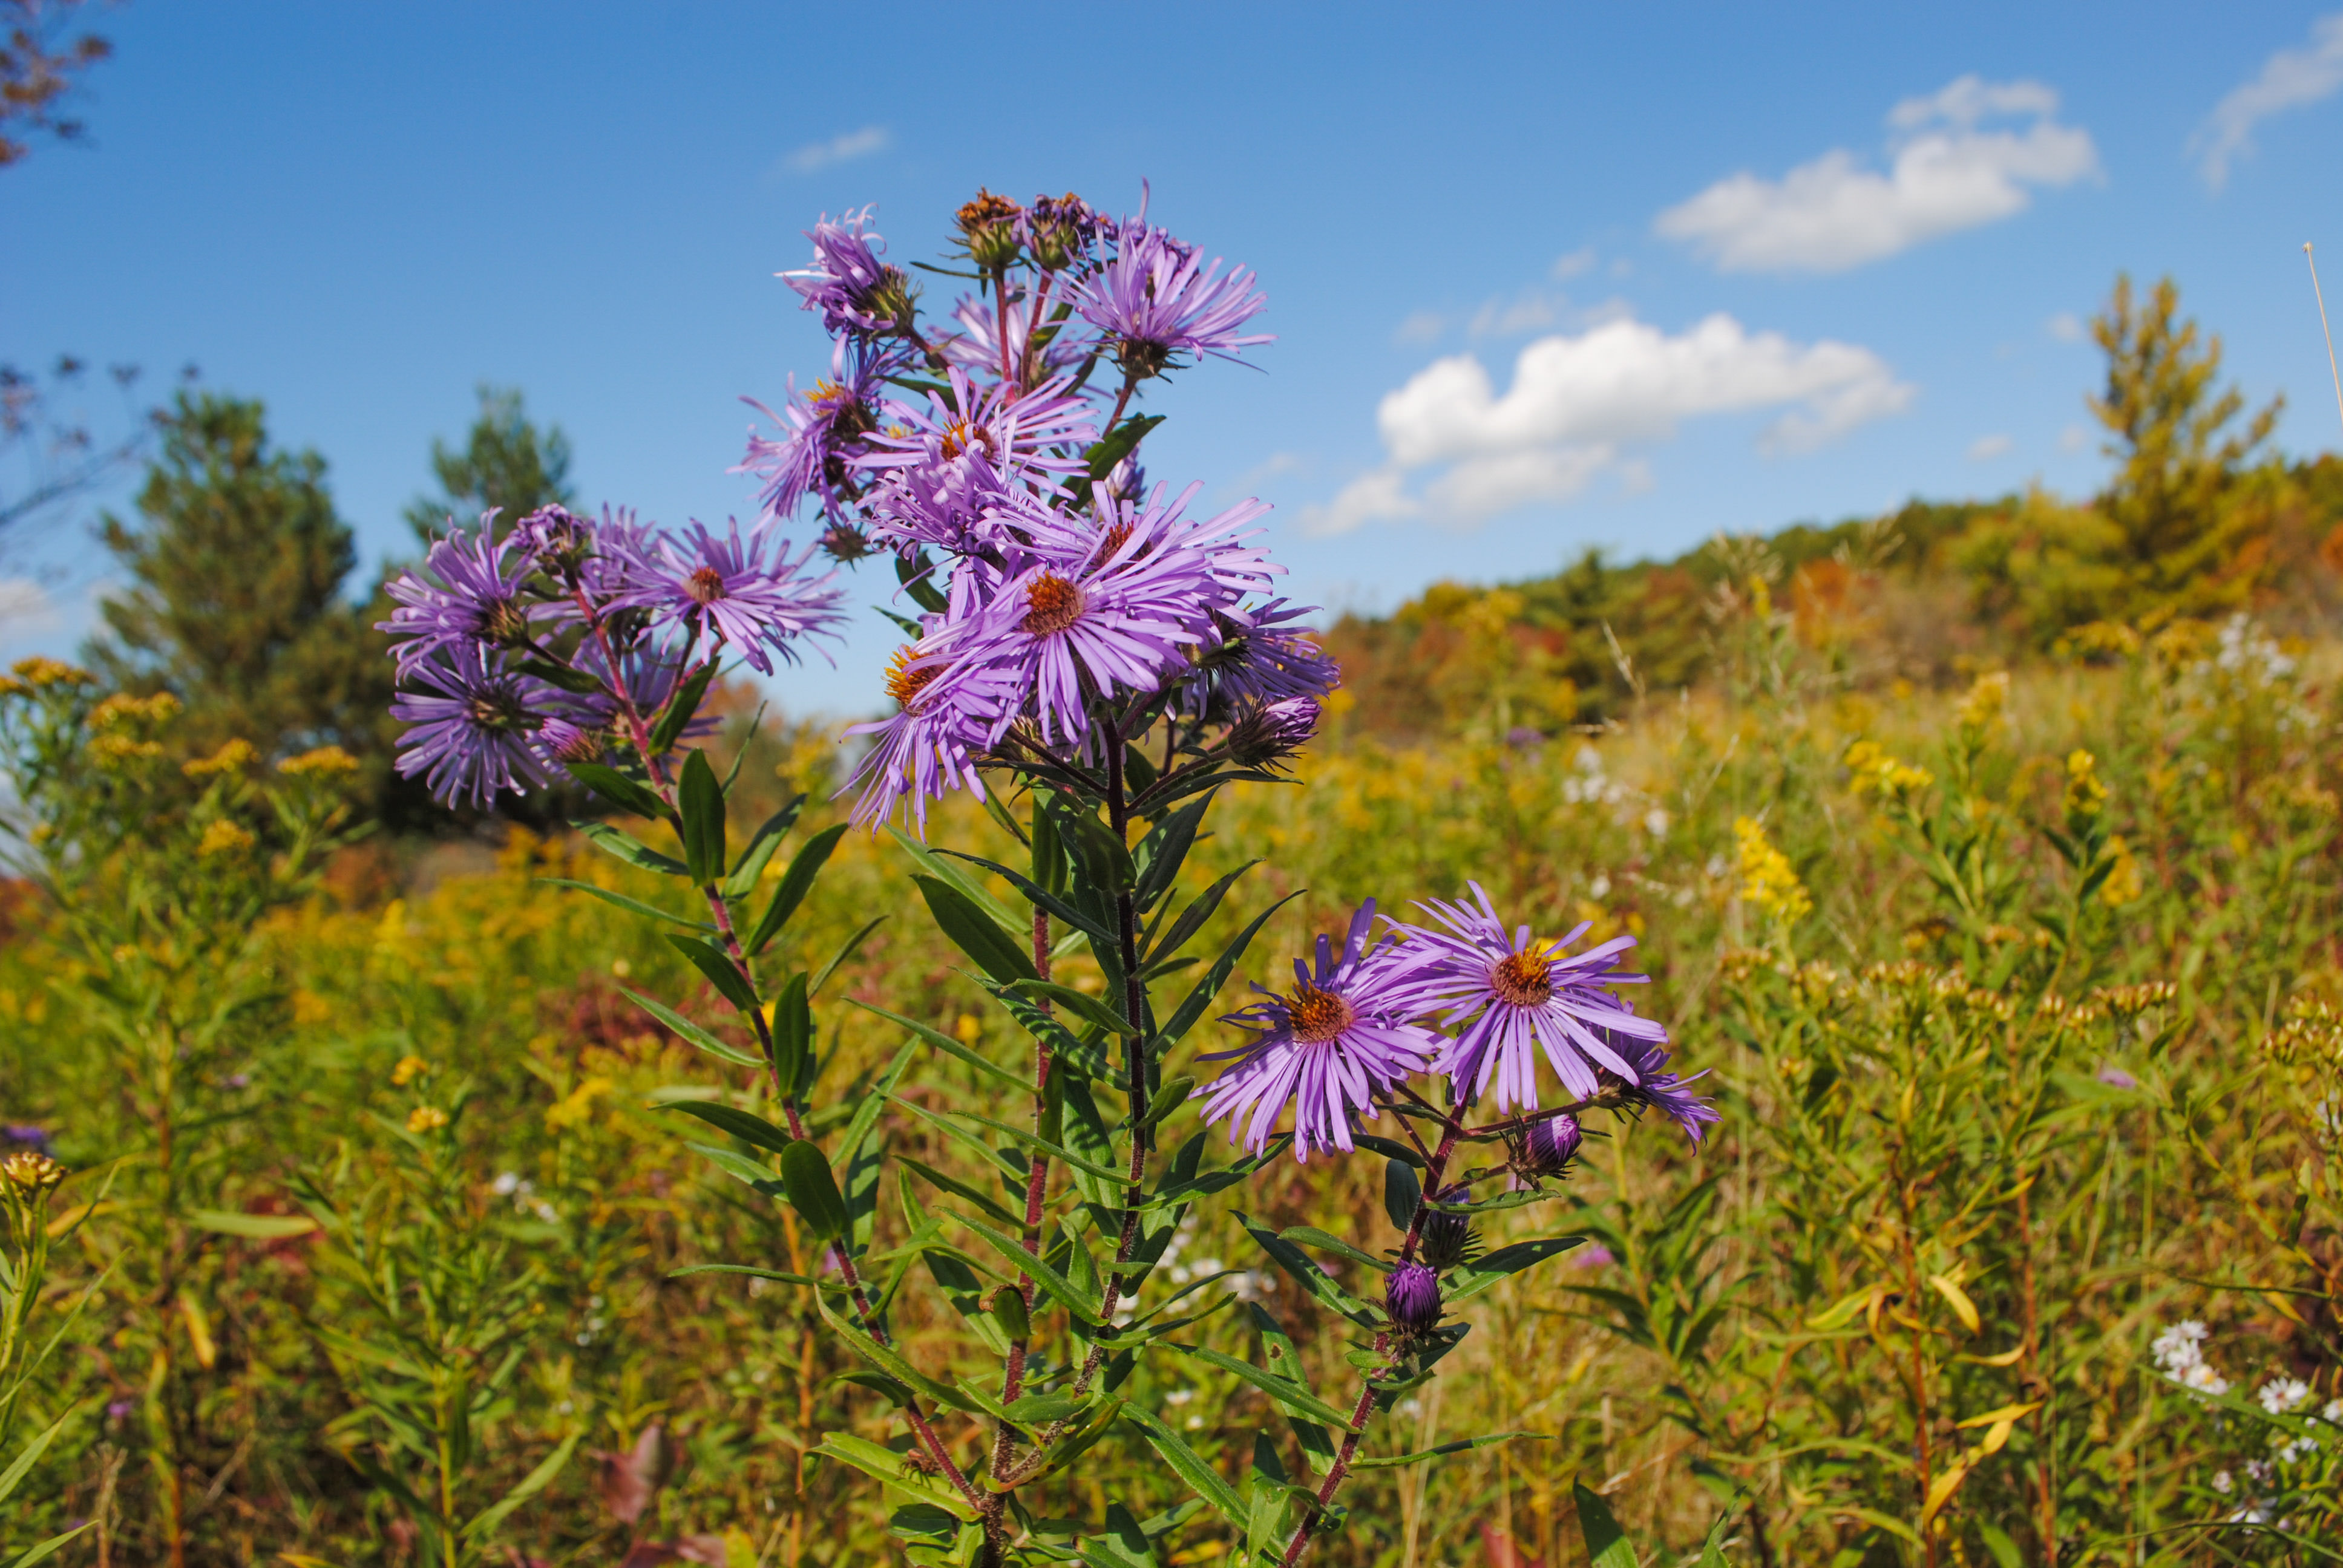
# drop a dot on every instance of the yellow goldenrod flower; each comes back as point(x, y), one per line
point(37, 672)
point(426, 1119)
point(230, 759)
point(1877, 773)
point(2123, 884)
point(408, 1070)
point(120, 750)
point(325, 762)
point(1768, 879)
point(224, 837)
point(2086, 793)
point(1981, 709)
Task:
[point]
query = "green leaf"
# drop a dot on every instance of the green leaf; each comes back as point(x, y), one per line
point(1122, 1544)
point(1278, 1351)
point(948, 1045)
point(1191, 918)
point(796, 882)
point(934, 864)
point(1402, 1192)
point(784, 1276)
point(1113, 447)
point(700, 801)
point(535, 1481)
point(632, 906)
point(632, 851)
point(1189, 1465)
point(1711, 1550)
point(1389, 1149)
point(259, 1227)
point(1606, 1544)
point(1089, 1008)
point(691, 1033)
point(1284, 1390)
point(1027, 1138)
point(1199, 998)
point(627, 794)
point(965, 1191)
point(680, 707)
point(976, 934)
point(1034, 893)
point(887, 1360)
point(744, 1170)
point(813, 1191)
point(1164, 850)
point(886, 1467)
point(42, 1550)
point(1084, 1307)
point(1485, 1272)
point(1168, 1096)
point(1321, 1285)
point(1312, 1236)
point(846, 949)
point(792, 1034)
point(717, 966)
point(14, 1476)
point(745, 1125)
point(760, 852)
point(917, 578)
point(562, 676)
point(1462, 1445)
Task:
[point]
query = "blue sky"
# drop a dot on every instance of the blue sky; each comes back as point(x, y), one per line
point(1542, 276)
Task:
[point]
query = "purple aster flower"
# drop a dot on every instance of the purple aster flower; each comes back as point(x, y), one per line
point(822, 430)
point(1653, 1085)
point(930, 744)
point(1060, 232)
point(27, 1135)
point(1518, 997)
point(473, 728)
point(976, 346)
point(1412, 1298)
point(1021, 432)
point(948, 505)
point(1085, 613)
point(741, 592)
point(469, 593)
point(1446, 1239)
point(1328, 1047)
point(1260, 659)
point(2116, 1077)
point(1550, 1145)
point(1598, 1256)
point(852, 289)
point(1159, 301)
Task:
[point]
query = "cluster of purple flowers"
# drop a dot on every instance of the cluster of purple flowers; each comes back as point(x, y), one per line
point(1365, 1019)
point(1059, 591)
point(553, 643)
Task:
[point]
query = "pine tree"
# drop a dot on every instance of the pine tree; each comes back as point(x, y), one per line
point(2187, 522)
point(235, 605)
point(506, 463)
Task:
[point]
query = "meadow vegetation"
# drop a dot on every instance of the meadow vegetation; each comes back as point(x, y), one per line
point(1982, 856)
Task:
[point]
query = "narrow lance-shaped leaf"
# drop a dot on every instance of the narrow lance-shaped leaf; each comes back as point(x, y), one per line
point(796, 882)
point(717, 966)
point(700, 801)
point(760, 852)
point(627, 794)
point(680, 708)
point(813, 1191)
point(976, 934)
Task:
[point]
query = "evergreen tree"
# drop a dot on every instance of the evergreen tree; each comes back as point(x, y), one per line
point(506, 463)
point(2186, 524)
point(235, 603)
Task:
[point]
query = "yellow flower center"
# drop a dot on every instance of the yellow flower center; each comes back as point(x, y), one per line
point(1521, 979)
point(1051, 605)
point(1318, 1015)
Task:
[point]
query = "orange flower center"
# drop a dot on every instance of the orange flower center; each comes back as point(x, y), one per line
point(1318, 1015)
point(705, 584)
point(1051, 605)
point(1522, 979)
point(906, 681)
point(1110, 541)
point(960, 435)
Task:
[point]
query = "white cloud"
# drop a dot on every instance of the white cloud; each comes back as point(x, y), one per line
point(1985, 449)
point(1530, 311)
point(1581, 260)
point(2290, 79)
point(1420, 327)
point(1950, 172)
point(2074, 438)
point(838, 150)
point(27, 610)
point(2066, 327)
point(1577, 403)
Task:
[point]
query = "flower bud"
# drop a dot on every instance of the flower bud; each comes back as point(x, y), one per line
point(1447, 1239)
point(1272, 733)
point(1550, 1145)
point(1412, 1298)
point(31, 1172)
point(988, 225)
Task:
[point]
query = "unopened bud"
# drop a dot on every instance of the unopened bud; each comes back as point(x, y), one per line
point(1412, 1298)
point(1550, 1145)
point(1274, 732)
point(989, 227)
point(1447, 1238)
